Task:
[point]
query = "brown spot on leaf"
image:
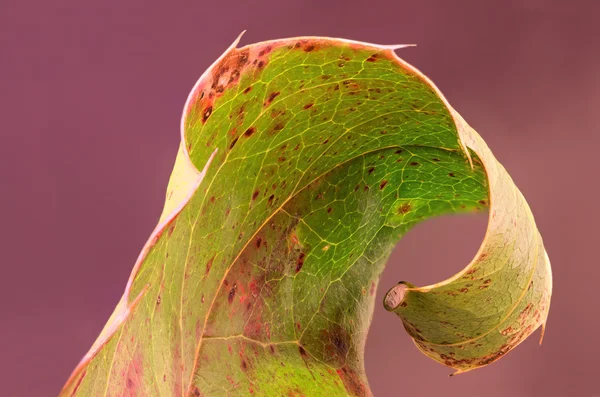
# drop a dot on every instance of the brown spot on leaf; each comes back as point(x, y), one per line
point(209, 264)
point(249, 132)
point(525, 313)
point(308, 106)
point(302, 351)
point(243, 57)
point(272, 97)
point(258, 241)
point(255, 194)
point(206, 114)
point(232, 144)
point(247, 90)
point(451, 174)
point(404, 208)
point(414, 163)
point(370, 170)
point(338, 339)
point(270, 200)
point(231, 294)
point(382, 184)
point(300, 262)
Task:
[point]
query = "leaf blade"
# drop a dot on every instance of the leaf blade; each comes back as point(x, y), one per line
point(318, 154)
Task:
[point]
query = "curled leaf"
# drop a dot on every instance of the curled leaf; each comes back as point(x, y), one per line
point(303, 161)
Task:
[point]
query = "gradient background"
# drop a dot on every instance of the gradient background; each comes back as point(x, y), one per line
point(90, 98)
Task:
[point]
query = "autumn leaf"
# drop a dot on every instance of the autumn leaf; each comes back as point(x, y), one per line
point(302, 163)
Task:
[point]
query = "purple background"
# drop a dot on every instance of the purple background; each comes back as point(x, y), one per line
point(90, 98)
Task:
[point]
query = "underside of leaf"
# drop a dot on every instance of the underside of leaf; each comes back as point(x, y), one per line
point(303, 162)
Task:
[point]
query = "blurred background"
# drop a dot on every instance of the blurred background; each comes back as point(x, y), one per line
point(91, 94)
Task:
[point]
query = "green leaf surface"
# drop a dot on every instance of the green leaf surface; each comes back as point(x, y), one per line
point(303, 162)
